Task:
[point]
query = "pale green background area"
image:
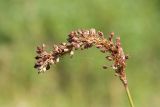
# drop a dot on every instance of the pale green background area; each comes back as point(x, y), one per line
point(80, 81)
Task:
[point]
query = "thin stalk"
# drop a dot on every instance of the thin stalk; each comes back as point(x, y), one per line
point(129, 96)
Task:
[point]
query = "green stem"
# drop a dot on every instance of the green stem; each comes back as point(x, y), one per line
point(129, 96)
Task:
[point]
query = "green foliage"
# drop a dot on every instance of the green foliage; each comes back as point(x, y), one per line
point(80, 81)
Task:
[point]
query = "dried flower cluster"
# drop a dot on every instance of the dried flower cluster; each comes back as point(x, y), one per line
point(83, 39)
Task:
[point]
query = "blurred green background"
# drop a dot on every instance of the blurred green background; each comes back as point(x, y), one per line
point(80, 81)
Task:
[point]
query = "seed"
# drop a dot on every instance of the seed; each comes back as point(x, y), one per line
point(114, 67)
point(48, 67)
point(105, 67)
point(43, 45)
point(99, 46)
point(92, 31)
point(51, 61)
point(65, 50)
point(109, 58)
point(100, 33)
point(57, 60)
point(64, 43)
point(72, 53)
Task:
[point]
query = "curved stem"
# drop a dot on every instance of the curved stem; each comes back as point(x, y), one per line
point(129, 96)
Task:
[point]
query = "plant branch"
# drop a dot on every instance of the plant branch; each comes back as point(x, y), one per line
point(129, 96)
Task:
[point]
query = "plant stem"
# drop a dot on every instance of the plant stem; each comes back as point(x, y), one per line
point(129, 96)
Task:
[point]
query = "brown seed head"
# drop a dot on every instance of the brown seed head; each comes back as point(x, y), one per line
point(84, 39)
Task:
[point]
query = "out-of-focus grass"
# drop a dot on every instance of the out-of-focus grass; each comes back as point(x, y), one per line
point(80, 81)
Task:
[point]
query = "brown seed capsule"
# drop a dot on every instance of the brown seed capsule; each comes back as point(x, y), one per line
point(80, 32)
point(103, 50)
point(65, 50)
point(52, 61)
point(100, 33)
point(99, 46)
point(126, 56)
point(71, 34)
point(43, 46)
point(86, 32)
point(105, 67)
point(92, 31)
point(48, 67)
point(37, 57)
point(64, 43)
point(57, 60)
point(72, 53)
point(112, 34)
point(39, 50)
point(36, 65)
point(109, 58)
